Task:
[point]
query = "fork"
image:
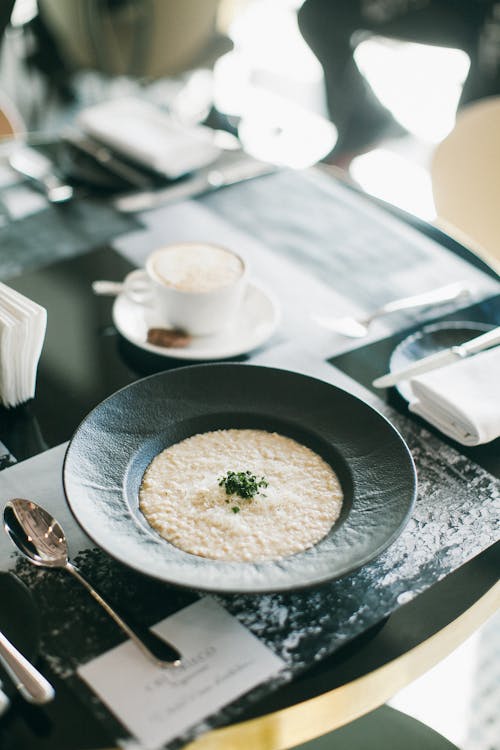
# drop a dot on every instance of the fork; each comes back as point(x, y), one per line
point(359, 327)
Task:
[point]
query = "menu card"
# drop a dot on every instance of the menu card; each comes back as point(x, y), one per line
point(221, 661)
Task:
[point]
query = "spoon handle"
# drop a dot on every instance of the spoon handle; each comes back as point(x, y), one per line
point(31, 684)
point(107, 288)
point(447, 293)
point(154, 647)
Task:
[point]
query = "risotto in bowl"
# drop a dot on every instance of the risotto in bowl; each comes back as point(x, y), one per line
point(239, 478)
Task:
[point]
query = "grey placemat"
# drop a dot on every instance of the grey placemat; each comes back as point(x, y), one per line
point(58, 232)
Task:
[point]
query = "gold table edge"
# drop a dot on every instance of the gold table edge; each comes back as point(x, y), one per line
point(312, 718)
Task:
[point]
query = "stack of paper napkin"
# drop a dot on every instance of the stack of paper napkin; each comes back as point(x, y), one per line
point(22, 331)
point(462, 399)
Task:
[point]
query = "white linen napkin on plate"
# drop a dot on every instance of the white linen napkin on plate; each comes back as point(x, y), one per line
point(463, 398)
point(149, 136)
point(22, 332)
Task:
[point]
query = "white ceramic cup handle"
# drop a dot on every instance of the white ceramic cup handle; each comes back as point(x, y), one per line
point(138, 287)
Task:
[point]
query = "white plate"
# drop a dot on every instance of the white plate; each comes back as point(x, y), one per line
point(255, 322)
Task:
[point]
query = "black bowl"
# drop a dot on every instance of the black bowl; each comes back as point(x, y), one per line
point(115, 443)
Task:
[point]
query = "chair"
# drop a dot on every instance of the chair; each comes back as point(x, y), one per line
point(11, 122)
point(382, 729)
point(465, 173)
point(150, 38)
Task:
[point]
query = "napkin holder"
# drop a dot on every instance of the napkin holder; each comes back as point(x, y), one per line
point(22, 332)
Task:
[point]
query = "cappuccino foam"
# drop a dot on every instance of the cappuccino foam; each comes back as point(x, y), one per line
point(196, 267)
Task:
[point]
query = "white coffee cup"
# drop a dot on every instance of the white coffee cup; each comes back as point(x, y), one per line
point(196, 287)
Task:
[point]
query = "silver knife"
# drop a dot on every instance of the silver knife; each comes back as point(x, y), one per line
point(107, 159)
point(4, 701)
point(28, 680)
point(212, 179)
point(446, 357)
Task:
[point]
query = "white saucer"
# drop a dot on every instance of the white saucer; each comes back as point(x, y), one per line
point(255, 322)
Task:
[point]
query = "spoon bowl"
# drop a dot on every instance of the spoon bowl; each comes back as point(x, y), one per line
point(33, 164)
point(36, 534)
point(353, 328)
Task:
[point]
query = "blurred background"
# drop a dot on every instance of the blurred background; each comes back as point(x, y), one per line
point(258, 68)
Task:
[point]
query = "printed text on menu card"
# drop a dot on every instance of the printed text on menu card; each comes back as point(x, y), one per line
point(221, 661)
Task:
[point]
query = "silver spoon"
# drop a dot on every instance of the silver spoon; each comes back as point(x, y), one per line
point(358, 327)
point(41, 539)
point(31, 163)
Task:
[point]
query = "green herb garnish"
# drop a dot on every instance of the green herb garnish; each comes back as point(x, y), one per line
point(235, 509)
point(242, 483)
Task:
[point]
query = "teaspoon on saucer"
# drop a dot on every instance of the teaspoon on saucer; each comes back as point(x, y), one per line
point(107, 288)
point(40, 538)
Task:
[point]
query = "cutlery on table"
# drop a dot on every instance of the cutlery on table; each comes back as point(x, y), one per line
point(39, 168)
point(29, 682)
point(40, 538)
point(358, 327)
point(107, 159)
point(203, 182)
point(440, 359)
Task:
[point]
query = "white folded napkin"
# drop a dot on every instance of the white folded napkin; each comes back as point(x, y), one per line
point(146, 134)
point(22, 332)
point(462, 399)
